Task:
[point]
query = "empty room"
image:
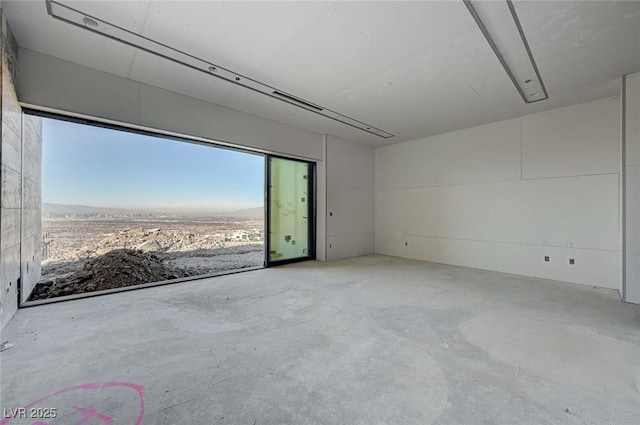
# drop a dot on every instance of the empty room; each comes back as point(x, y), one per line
point(305, 212)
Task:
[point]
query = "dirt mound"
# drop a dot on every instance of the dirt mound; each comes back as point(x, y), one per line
point(115, 269)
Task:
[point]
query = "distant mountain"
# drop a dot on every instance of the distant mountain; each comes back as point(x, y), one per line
point(257, 212)
point(62, 209)
point(51, 209)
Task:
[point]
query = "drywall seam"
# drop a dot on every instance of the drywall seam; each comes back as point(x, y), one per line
point(521, 148)
point(510, 243)
point(2, 292)
point(324, 194)
point(496, 181)
point(352, 234)
point(569, 176)
point(623, 189)
point(20, 230)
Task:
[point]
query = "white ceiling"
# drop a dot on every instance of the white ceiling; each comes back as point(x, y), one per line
point(414, 69)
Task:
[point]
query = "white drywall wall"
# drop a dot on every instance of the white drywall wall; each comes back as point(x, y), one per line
point(53, 83)
point(502, 196)
point(631, 184)
point(490, 152)
point(572, 141)
point(350, 199)
point(321, 204)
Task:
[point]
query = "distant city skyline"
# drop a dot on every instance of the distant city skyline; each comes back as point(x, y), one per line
point(100, 167)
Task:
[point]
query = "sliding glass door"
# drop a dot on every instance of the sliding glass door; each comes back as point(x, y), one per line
point(290, 223)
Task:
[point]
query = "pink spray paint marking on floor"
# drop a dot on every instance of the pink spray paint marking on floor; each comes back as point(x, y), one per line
point(85, 415)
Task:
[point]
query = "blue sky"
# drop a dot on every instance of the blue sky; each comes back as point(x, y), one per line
point(87, 165)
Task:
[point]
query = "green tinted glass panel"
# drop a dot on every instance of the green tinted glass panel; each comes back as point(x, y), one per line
point(289, 209)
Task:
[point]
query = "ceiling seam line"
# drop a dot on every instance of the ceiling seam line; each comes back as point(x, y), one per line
point(135, 51)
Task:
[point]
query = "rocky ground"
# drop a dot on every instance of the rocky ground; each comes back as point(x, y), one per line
point(83, 257)
point(126, 267)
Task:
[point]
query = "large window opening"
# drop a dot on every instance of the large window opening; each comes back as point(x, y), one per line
point(122, 208)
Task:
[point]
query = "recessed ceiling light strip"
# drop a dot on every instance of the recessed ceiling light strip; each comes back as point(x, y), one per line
point(80, 19)
point(512, 9)
point(500, 29)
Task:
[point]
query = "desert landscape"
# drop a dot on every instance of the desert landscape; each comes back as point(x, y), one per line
point(88, 249)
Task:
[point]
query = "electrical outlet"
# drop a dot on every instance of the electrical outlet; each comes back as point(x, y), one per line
point(572, 261)
point(546, 258)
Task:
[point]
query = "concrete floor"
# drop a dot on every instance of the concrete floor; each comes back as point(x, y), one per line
point(370, 340)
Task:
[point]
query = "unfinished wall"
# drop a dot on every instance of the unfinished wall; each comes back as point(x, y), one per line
point(503, 196)
point(631, 186)
point(350, 199)
point(11, 178)
point(31, 251)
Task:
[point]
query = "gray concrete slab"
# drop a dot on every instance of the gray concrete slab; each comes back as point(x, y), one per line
point(369, 340)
